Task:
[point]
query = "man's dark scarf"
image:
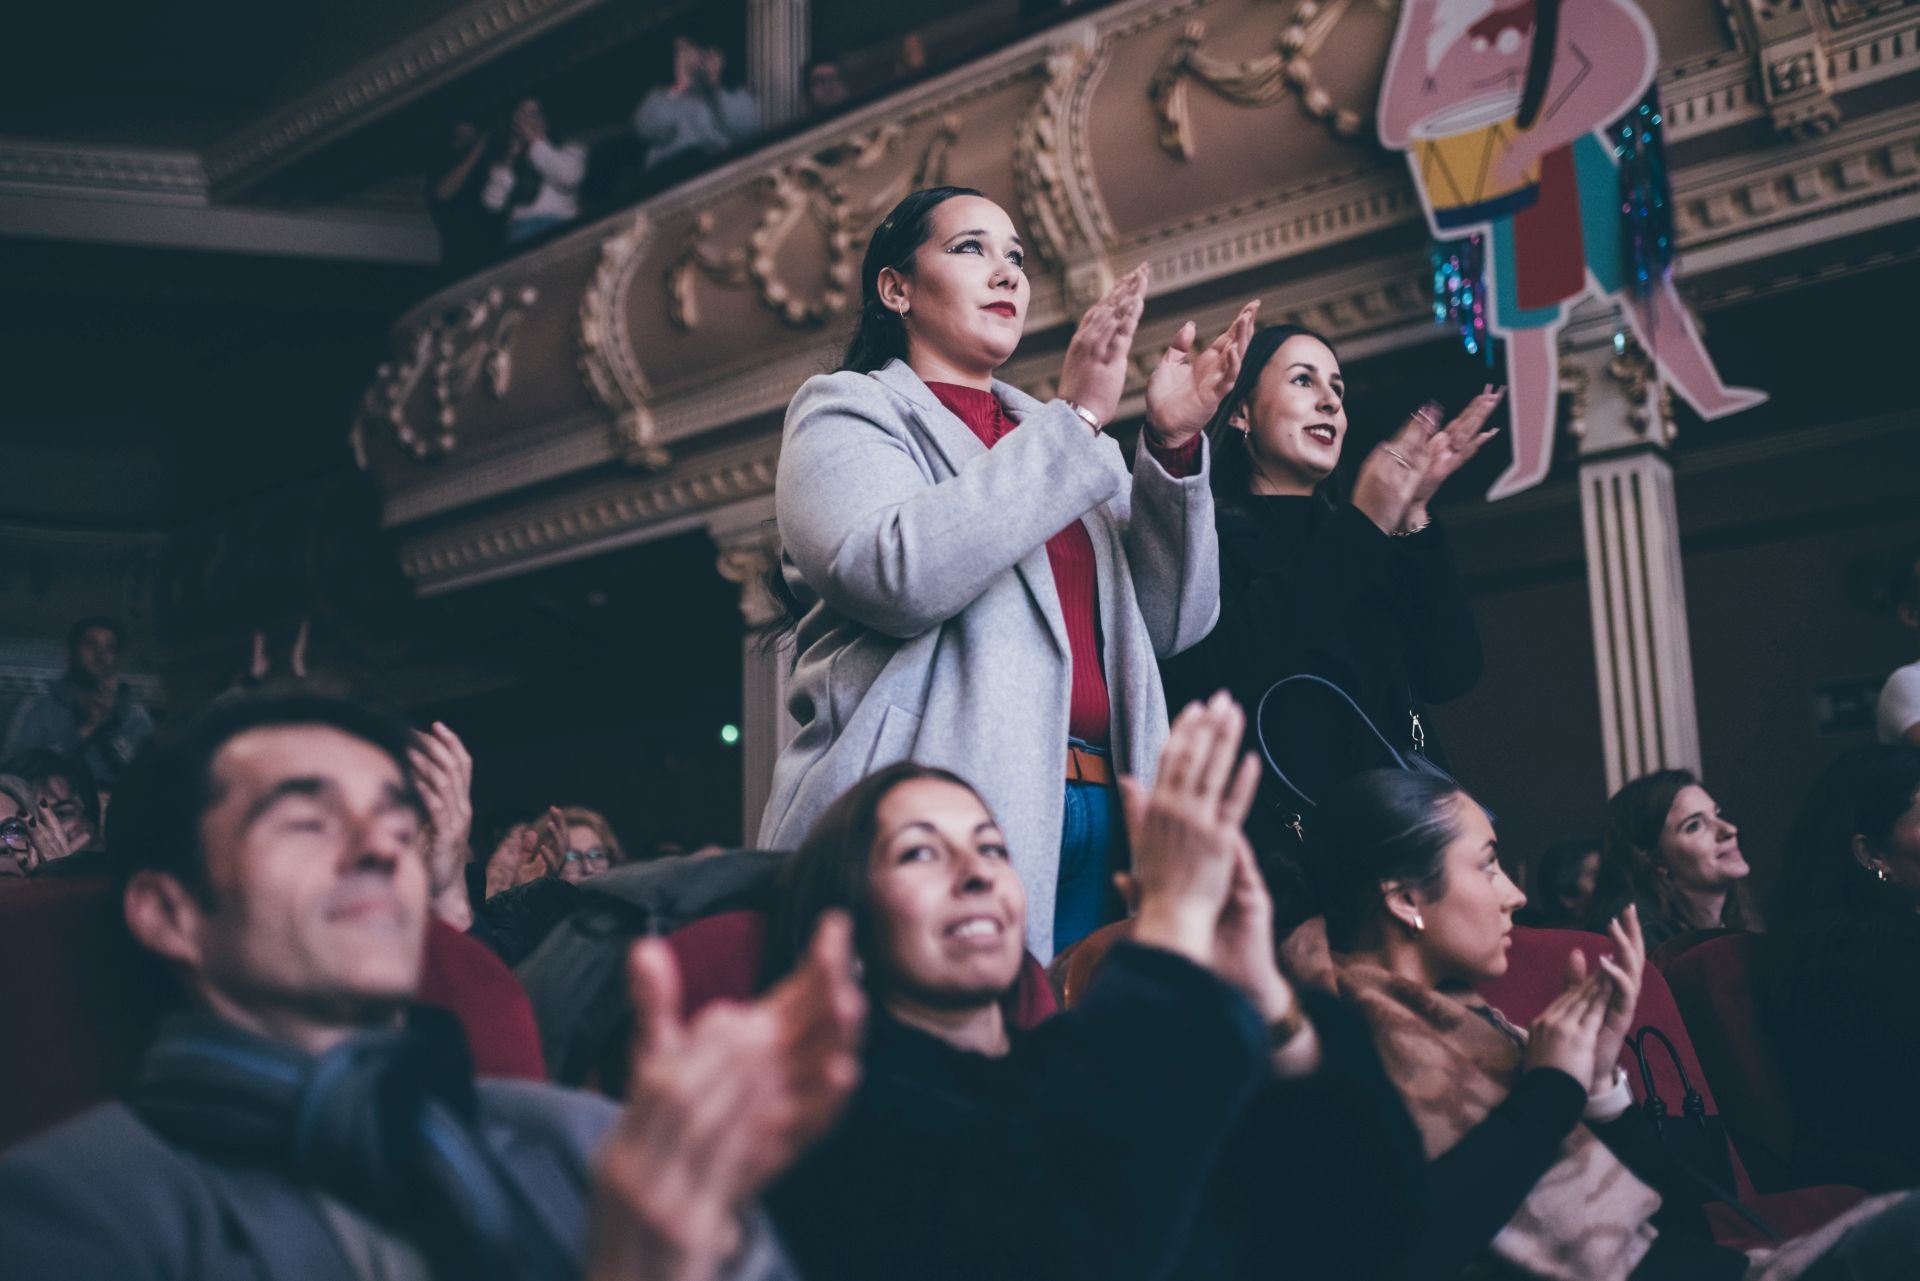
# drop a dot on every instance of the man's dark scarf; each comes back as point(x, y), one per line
point(387, 1123)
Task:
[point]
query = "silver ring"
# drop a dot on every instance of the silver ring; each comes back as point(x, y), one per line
point(1396, 456)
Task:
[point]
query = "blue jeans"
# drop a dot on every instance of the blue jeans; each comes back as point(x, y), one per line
point(1093, 846)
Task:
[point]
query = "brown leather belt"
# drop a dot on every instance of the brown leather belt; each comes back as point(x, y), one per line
point(1084, 766)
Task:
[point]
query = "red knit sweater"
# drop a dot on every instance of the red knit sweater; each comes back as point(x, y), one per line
point(1070, 553)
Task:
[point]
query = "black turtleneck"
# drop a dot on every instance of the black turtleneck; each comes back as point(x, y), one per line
point(1315, 587)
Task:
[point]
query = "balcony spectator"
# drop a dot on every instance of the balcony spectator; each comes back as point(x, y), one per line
point(537, 183)
point(826, 87)
point(695, 118)
point(469, 231)
point(89, 712)
point(1898, 713)
point(910, 57)
point(63, 793)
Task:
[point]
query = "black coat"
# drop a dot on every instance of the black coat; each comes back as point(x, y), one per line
point(1140, 1135)
point(1312, 587)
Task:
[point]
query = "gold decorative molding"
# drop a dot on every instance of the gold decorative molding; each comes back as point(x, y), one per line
point(809, 190)
point(607, 514)
point(1040, 164)
point(1796, 82)
point(454, 349)
point(1575, 385)
point(1308, 30)
point(1649, 399)
point(746, 563)
point(1259, 82)
point(607, 356)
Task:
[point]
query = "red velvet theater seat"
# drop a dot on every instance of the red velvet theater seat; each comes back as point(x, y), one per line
point(463, 975)
point(720, 958)
point(78, 1000)
point(1536, 973)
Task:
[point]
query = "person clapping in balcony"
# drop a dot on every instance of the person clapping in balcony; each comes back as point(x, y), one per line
point(688, 122)
point(537, 182)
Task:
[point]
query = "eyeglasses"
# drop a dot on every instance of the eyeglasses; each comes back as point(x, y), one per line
point(16, 833)
point(598, 854)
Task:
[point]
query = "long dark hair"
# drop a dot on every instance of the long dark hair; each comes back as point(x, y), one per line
point(879, 335)
point(1821, 883)
point(1231, 448)
point(1632, 867)
point(833, 869)
point(1373, 827)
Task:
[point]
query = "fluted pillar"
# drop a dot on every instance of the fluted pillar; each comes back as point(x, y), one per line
point(1621, 415)
point(748, 552)
point(778, 45)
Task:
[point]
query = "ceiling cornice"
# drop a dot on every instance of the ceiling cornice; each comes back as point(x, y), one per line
point(27, 163)
point(473, 36)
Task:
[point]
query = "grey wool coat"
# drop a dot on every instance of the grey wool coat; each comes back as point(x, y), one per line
point(933, 632)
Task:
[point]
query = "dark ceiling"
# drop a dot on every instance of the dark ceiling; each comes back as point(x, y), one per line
point(183, 74)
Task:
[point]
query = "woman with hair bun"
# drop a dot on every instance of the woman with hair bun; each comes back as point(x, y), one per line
point(981, 583)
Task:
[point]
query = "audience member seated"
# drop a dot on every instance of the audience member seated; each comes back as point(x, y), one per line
point(537, 183)
point(591, 847)
point(63, 791)
point(30, 839)
point(693, 118)
point(469, 231)
point(1667, 849)
point(1844, 949)
point(1898, 713)
point(1539, 1166)
point(1561, 885)
point(1189, 1118)
point(826, 87)
point(90, 712)
point(305, 1120)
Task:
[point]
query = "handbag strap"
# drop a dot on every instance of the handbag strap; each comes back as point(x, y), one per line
point(1692, 1104)
point(1266, 753)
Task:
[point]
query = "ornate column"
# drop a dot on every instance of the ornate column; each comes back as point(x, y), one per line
point(778, 44)
point(748, 552)
point(1621, 416)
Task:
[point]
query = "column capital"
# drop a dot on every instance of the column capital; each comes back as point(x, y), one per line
point(747, 559)
point(1616, 398)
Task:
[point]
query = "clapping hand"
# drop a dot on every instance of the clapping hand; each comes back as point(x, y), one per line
point(1185, 831)
point(443, 772)
point(1566, 1034)
point(1186, 388)
point(1621, 973)
point(717, 1106)
point(1095, 369)
point(1450, 449)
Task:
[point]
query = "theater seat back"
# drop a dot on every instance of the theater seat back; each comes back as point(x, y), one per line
point(1717, 985)
point(720, 958)
point(1536, 973)
point(79, 1000)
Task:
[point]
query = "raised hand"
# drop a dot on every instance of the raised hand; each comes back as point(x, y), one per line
point(1185, 832)
point(1566, 1034)
point(1186, 388)
point(1623, 972)
point(516, 860)
point(443, 772)
point(1450, 448)
point(717, 1107)
point(1390, 475)
point(1095, 369)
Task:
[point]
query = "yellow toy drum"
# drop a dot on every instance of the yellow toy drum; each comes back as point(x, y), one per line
point(1455, 151)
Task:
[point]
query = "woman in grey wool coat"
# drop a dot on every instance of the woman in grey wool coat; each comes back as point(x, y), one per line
point(983, 585)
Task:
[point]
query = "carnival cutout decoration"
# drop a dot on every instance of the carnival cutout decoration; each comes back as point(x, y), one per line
point(1507, 111)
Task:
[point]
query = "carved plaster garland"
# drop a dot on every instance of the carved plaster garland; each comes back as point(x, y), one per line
point(808, 190)
point(607, 356)
point(455, 348)
point(1040, 164)
point(1261, 81)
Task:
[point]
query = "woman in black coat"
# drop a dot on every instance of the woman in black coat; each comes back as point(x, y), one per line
point(1190, 1118)
point(1361, 591)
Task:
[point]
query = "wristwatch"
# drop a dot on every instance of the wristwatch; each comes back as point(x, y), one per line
point(1087, 416)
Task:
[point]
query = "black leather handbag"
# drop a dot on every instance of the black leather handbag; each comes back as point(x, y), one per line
point(1343, 740)
point(1695, 1142)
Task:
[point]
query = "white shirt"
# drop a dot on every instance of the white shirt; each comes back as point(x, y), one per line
point(1899, 704)
point(561, 170)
